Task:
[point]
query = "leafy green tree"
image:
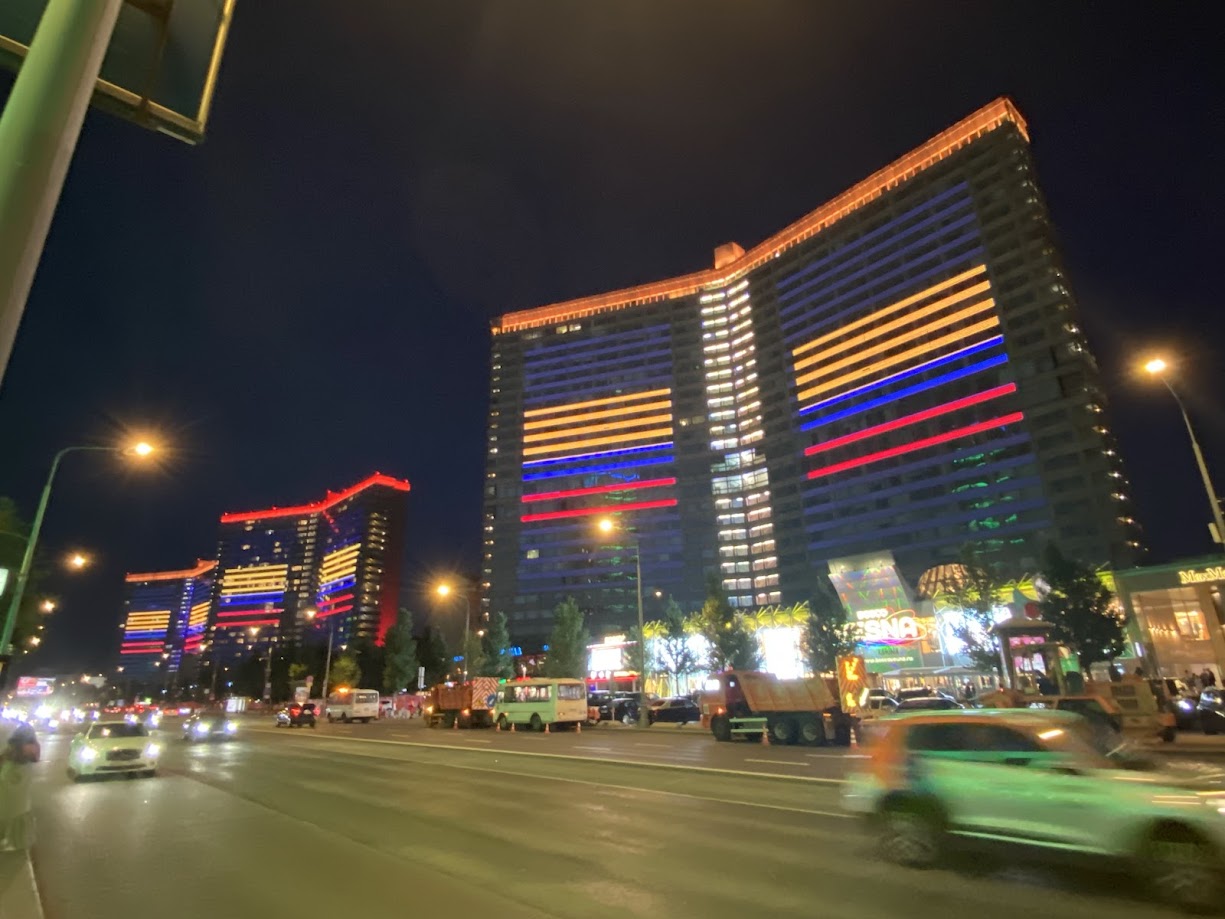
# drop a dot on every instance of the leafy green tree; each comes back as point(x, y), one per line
point(400, 654)
point(13, 532)
point(474, 655)
point(567, 654)
point(432, 654)
point(828, 634)
point(298, 672)
point(345, 671)
point(498, 660)
point(1082, 610)
point(370, 658)
point(674, 654)
point(733, 642)
point(975, 590)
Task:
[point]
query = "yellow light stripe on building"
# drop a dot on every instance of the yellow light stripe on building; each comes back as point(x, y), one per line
point(234, 573)
point(591, 403)
point(891, 343)
point(198, 614)
point(895, 359)
point(878, 331)
point(563, 446)
point(149, 617)
point(541, 436)
point(892, 308)
point(595, 416)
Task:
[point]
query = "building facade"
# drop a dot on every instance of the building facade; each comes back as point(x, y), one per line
point(333, 565)
point(900, 370)
point(1180, 614)
point(166, 616)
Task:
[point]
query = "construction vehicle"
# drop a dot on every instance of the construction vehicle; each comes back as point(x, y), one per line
point(751, 704)
point(467, 705)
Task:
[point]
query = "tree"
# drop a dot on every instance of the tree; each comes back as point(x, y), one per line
point(345, 671)
point(13, 532)
point(567, 654)
point(828, 634)
point(673, 650)
point(432, 654)
point(298, 672)
point(733, 643)
point(975, 591)
point(498, 660)
point(369, 658)
point(1082, 610)
point(474, 655)
point(400, 654)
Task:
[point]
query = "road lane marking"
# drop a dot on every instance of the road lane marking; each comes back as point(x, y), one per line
point(837, 755)
point(776, 762)
point(580, 746)
point(661, 746)
point(502, 751)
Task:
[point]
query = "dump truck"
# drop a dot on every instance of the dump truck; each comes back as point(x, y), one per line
point(467, 705)
point(751, 704)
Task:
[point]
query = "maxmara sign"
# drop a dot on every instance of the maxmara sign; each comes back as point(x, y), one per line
point(1202, 575)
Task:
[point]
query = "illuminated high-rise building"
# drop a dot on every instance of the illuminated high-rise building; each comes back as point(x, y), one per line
point(166, 618)
point(900, 370)
point(331, 565)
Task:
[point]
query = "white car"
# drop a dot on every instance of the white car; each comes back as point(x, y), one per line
point(112, 747)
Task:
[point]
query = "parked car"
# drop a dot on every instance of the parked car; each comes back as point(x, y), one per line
point(932, 703)
point(678, 710)
point(1211, 710)
point(205, 726)
point(1179, 700)
point(296, 715)
point(1037, 779)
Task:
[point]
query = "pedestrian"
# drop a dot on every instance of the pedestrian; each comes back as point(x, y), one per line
point(1139, 672)
point(19, 750)
point(1046, 687)
point(1207, 678)
point(1191, 680)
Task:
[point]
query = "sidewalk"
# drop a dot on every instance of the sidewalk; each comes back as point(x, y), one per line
point(19, 897)
point(1189, 743)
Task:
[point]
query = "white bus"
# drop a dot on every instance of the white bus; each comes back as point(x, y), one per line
point(347, 705)
point(540, 702)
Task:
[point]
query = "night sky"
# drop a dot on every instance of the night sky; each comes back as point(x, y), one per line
point(305, 298)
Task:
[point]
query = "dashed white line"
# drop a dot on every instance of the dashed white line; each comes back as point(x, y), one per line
point(776, 762)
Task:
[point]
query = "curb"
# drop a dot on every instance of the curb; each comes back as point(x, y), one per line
point(20, 899)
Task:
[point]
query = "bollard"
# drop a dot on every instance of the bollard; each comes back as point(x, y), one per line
point(578, 727)
point(546, 727)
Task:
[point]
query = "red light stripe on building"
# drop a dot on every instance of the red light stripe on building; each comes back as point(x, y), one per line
point(246, 622)
point(231, 613)
point(332, 601)
point(607, 509)
point(917, 445)
point(915, 418)
point(329, 501)
point(599, 490)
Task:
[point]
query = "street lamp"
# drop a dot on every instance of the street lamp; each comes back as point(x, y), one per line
point(608, 526)
point(445, 590)
point(141, 450)
point(327, 667)
point(267, 693)
point(1157, 367)
point(77, 561)
point(48, 606)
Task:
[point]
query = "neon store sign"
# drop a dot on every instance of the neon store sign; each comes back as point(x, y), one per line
point(891, 627)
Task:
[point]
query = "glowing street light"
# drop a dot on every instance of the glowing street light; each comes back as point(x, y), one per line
point(608, 526)
point(444, 590)
point(1158, 367)
point(140, 450)
point(48, 606)
point(310, 613)
point(78, 561)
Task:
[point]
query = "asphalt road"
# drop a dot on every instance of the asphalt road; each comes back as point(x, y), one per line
point(393, 820)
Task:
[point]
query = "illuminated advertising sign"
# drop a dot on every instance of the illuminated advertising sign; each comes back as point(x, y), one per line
point(1202, 575)
point(28, 686)
point(852, 682)
point(888, 627)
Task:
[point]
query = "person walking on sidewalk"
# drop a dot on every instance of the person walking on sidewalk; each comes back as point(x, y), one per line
point(19, 750)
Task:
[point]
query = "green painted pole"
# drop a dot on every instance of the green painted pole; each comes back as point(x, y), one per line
point(38, 133)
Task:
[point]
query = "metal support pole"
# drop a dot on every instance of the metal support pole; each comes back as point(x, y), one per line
point(327, 667)
point(38, 133)
point(467, 626)
point(1217, 517)
point(642, 641)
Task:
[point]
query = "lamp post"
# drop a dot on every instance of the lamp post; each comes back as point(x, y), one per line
point(140, 450)
point(445, 590)
point(1157, 368)
point(327, 665)
point(266, 696)
point(608, 526)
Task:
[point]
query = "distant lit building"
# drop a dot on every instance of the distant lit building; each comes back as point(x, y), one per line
point(1180, 611)
point(166, 618)
point(901, 370)
point(339, 558)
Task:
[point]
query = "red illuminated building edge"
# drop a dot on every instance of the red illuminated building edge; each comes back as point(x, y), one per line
point(332, 499)
point(202, 567)
point(940, 147)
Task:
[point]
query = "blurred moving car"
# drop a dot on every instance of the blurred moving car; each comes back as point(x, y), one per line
point(107, 747)
point(1038, 779)
point(296, 716)
point(209, 726)
point(1211, 710)
point(149, 716)
point(677, 710)
point(1178, 699)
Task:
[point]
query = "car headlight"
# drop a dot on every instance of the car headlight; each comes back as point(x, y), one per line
point(201, 727)
point(152, 751)
point(1186, 705)
point(87, 754)
point(230, 727)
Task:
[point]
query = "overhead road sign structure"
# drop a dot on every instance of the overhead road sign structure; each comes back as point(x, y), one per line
point(160, 69)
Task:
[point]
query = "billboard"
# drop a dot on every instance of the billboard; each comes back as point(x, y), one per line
point(34, 686)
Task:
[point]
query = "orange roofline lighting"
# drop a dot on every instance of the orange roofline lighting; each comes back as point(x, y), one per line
point(333, 498)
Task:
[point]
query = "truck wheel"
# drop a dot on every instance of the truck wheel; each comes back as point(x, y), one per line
point(781, 731)
point(537, 724)
point(720, 728)
point(503, 724)
point(812, 732)
point(329, 718)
